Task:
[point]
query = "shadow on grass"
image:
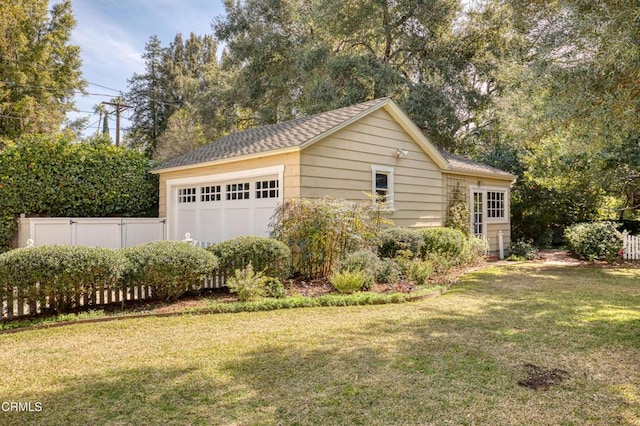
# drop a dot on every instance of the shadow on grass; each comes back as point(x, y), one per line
point(455, 361)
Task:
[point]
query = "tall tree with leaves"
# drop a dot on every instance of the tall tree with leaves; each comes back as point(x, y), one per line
point(175, 76)
point(39, 69)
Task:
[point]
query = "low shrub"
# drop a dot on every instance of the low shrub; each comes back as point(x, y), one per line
point(419, 271)
point(594, 241)
point(387, 271)
point(364, 261)
point(247, 284)
point(267, 255)
point(442, 241)
point(169, 267)
point(475, 249)
point(348, 282)
point(61, 273)
point(275, 288)
point(394, 240)
point(523, 250)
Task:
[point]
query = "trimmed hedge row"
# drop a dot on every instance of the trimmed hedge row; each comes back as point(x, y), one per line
point(63, 273)
point(594, 241)
point(266, 255)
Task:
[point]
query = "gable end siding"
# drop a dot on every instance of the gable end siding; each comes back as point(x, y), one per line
point(340, 166)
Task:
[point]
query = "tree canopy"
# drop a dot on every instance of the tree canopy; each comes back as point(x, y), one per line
point(40, 70)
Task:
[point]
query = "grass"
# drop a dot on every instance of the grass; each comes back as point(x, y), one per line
point(456, 359)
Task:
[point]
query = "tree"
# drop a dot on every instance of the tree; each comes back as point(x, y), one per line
point(175, 76)
point(183, 134)
point(40, 70)
point(296, 57)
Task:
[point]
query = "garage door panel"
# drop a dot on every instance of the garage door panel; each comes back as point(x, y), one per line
point(186, 221)
point(211, 225)
point(214, 211)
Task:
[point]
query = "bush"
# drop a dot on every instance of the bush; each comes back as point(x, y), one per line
point(594, 241)
point(523, 250)
point(321, 232)
point(387, 271)
point(60, 273)
point(248, 284)
point(348, 282)
point(275, 288)
point(267, 255)
point(364, 261)
point(393, 240)
point(441, 241)
point(475, 249)
point(419, 271)
point(55, 176)
point(169, 267)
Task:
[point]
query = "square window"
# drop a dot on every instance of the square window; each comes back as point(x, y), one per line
point(267, 189)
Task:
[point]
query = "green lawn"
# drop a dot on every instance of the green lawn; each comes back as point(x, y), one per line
point(456, 359)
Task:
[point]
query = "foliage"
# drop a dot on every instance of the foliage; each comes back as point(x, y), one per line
point(60, 273)
point(475, 249)
point(169, 267)
point(419, 271)
point(347, 281)
point(54, 176)
point(364, 261)
point(275, 288)
point(249, 285)
point(594, 241)
point(524, 250)
point(442, 241)
point(301, 57)
point(395, 239)
point(387, 271)
point(458, 211)
point(177, 95)
point(267, 255)
point(40, 70)
point(321, 232)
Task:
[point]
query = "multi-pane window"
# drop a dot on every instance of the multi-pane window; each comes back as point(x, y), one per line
point(495, 205)
point(210, 193)
point(186, 195)
point(478, 219)
point(267, 189)
point(238, 191)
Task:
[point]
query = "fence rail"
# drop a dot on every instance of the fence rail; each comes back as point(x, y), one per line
point(16, 305)
point(631, 246)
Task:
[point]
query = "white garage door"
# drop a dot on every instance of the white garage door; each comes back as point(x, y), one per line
point(218, 210)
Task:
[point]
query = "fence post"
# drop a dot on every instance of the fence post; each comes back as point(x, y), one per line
point(501, 244)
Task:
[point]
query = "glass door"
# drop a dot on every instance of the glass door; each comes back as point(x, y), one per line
point(477, 213)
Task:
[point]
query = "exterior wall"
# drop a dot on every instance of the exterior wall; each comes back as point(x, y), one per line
point(291, 162)
point(340, 166)
point(465, 183)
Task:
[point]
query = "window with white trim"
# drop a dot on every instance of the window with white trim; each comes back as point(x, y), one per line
point(186, 195)
point(210, 193)
point(382, 187)
point(238, 191)
point(267, 189)
point(495, 205)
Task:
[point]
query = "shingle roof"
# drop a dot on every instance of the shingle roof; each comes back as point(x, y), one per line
point(462, 164)
point(271, 137)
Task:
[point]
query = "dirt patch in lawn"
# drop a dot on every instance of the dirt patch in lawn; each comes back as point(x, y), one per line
point(539, 378)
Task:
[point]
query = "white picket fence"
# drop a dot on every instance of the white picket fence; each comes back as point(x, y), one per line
point(631, 246)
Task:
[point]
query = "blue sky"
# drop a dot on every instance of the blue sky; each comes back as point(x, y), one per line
point(112, 35)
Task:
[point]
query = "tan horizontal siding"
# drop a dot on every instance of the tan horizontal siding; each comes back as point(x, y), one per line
point(340, 166)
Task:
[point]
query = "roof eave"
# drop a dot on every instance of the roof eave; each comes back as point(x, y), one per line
point(244, 157)
point(482, 173)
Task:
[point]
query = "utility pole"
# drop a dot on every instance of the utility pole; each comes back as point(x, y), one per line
point(119, 108)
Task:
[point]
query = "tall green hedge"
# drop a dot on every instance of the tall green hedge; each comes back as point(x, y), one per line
point(57, 176)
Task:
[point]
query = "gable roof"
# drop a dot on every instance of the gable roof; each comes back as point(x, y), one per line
point(466, 166)
point(288, 134)
point(302, 132)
